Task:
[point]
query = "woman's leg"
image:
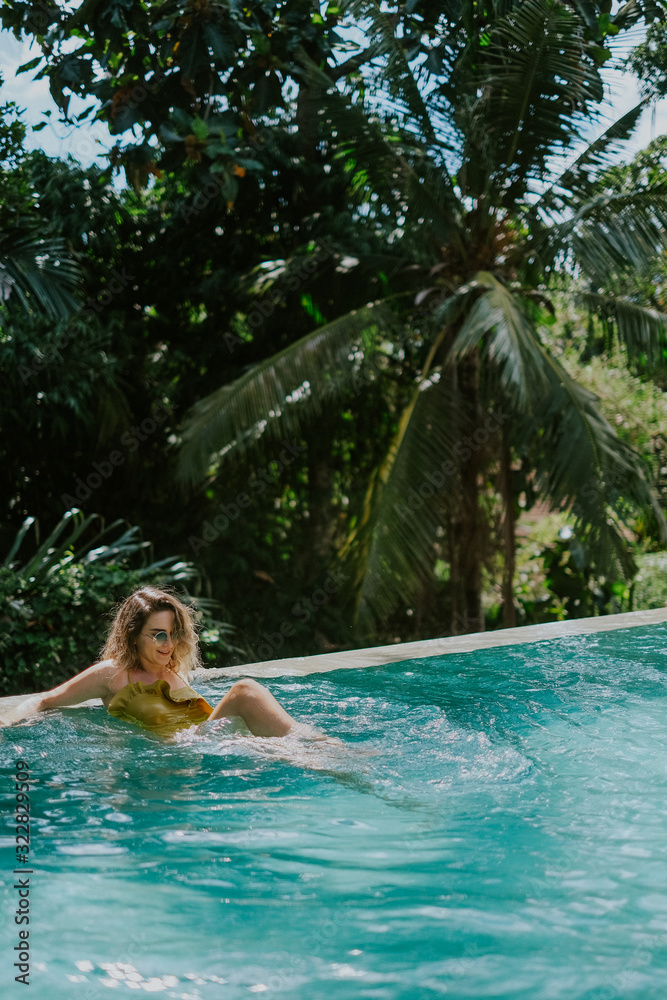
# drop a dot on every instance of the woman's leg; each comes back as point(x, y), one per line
point(257, 707)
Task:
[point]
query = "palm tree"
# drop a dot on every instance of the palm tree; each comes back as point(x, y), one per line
point(39, 272)
point(488, 229)
point(36, 268)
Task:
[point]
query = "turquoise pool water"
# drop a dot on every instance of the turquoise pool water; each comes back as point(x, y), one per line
point(496, 826)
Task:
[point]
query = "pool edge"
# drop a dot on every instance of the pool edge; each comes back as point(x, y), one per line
point(376, 656)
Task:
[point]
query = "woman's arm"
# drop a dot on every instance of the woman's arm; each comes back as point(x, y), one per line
point(90, 683)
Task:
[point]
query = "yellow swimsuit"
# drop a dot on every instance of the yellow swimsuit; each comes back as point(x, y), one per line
point(155, 706)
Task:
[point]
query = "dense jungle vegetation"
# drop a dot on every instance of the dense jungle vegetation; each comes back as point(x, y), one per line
point(357, 333)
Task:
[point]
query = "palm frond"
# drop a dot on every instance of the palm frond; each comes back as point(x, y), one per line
point(392, 548)
point(558, 421)
point(54, 547)
point(18, 540)
point(395, 72)
point(344, 121)
point(40, 273)
point(610, 234)
point(433, 207)
point(632, 223)
point(59, 549)
point(498, 321)
point(582, 464)
point(536, 83)
point(580, 180)
point(275, 396)
point(642, 330)
point(396, 165)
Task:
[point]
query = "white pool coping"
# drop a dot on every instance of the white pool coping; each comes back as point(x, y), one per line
point(377, 656)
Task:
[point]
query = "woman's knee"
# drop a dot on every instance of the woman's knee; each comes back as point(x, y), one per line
point(246, 688)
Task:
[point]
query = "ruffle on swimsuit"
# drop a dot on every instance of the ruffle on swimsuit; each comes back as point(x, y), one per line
point(155, 706)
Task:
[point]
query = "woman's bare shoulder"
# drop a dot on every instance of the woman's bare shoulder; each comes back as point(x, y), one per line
point(109, 672)
point(102, 669)
point(106, 665)
point(101, 678)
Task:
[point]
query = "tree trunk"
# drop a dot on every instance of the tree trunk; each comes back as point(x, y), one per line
point(509, 524)
point(468, 530)
point(316, 549)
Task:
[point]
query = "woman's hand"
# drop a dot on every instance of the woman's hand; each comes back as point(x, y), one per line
point(21, 709)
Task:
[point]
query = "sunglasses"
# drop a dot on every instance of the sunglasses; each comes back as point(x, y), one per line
point(160, 638)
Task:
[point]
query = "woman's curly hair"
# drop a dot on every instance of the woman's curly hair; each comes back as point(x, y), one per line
point(121, 644)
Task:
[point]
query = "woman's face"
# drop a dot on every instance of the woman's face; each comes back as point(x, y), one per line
point(155, 657)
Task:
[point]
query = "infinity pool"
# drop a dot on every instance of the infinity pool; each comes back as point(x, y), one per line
point(494, 825)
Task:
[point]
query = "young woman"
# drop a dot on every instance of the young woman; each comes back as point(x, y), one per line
point(150, 653)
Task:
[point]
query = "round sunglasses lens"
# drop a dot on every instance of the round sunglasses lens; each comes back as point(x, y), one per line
point(161, 638)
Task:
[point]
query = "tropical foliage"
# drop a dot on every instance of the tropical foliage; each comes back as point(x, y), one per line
point(36, 267)
point(332, 297)
point(496, 227)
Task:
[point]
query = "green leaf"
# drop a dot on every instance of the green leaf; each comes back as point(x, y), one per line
point(25, 67)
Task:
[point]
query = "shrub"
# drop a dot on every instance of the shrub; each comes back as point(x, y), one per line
point(56, 608)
